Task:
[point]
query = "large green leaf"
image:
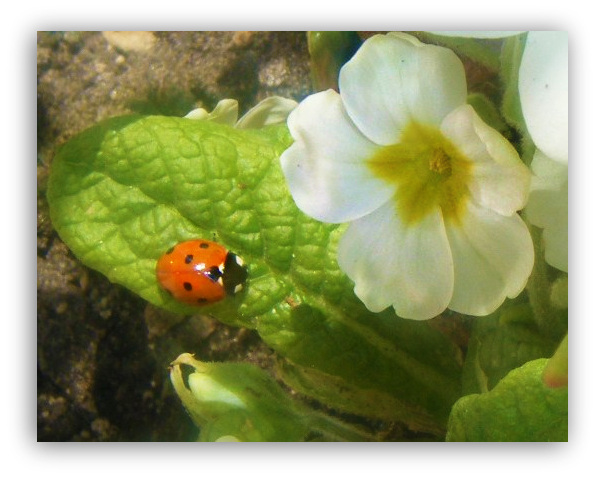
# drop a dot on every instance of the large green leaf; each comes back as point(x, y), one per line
point(126, 190)
point(521, 408)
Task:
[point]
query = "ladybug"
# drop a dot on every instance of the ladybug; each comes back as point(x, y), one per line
point(200, 272)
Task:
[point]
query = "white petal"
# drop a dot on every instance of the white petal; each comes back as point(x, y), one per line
point(493, 258)
point(326, 166)
point(409, 267)
point(225, 112)
point(393, 80)
point(500, 180)
point(272, 110)
point(543, 88)
point(548, 207)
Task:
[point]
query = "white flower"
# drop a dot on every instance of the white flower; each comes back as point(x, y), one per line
point(430, 191)
point(543, 87)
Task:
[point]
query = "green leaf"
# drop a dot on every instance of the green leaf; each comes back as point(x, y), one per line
point(511, 107)
point(501, 342)
point(329, 50)
point(510, 58)
point(558, 295)
point(378, 366)
point(126, 190)
point(521, 408)
point(487, 111)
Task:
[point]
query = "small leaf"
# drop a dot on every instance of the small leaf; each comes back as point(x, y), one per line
point(521, 408)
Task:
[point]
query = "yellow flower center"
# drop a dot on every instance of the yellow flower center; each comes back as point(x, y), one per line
point(429, 172)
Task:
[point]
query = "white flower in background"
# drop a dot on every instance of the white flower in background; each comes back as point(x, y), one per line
point(543, 87)
point(431, 192)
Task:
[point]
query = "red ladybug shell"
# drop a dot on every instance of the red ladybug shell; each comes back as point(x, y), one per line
point(200, 272)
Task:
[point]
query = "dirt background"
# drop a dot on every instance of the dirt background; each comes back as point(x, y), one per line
point(102, 352)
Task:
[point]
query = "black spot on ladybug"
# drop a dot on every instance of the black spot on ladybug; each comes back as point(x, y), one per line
point(188, 259)
point(203, 245)
point(187, 286)
point(214, 273)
